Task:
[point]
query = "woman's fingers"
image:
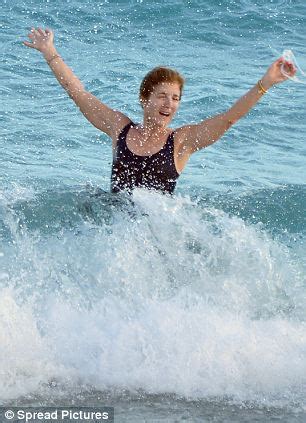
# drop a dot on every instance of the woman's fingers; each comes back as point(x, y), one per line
point(288, 66)
point(49, 33)
point(26, 43)
point(39, 38)
point(41, 32)
point(37, 32)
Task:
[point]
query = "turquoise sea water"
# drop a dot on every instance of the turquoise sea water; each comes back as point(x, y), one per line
point(183, 309)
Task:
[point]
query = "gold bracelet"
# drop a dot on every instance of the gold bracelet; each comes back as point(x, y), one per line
point(52, 58)
point(261, 89)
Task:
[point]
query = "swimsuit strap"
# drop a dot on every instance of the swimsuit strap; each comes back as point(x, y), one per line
point(121, 141)
point(170, 142)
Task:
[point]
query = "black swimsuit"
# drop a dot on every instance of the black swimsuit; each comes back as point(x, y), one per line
point(130, 170)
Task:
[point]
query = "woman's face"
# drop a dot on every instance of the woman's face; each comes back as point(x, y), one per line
point(162, 104)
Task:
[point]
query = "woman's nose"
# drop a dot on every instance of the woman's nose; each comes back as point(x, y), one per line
point(167, 101)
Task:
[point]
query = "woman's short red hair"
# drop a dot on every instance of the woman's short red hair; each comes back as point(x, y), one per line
point(157, 76)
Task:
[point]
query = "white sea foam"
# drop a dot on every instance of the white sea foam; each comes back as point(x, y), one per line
point(14, 192)
point(170, 298)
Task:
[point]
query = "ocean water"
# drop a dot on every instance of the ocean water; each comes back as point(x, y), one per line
point(191, 308)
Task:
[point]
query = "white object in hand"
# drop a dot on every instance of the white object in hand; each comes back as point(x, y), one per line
point(289, 57)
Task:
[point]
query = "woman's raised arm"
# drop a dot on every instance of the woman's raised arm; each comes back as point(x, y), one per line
point(99, 114)
point(210, 130)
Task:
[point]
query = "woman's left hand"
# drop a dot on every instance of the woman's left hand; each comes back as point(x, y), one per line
point(274, 74)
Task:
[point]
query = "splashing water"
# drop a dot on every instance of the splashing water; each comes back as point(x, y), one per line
point(157, 294)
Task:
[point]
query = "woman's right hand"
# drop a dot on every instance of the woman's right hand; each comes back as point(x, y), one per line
point(41, 40)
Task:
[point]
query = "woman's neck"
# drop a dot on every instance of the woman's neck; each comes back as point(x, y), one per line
point(150, 133)
point(148, 128)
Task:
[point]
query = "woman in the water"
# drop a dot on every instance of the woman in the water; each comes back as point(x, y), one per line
point(150, 154)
